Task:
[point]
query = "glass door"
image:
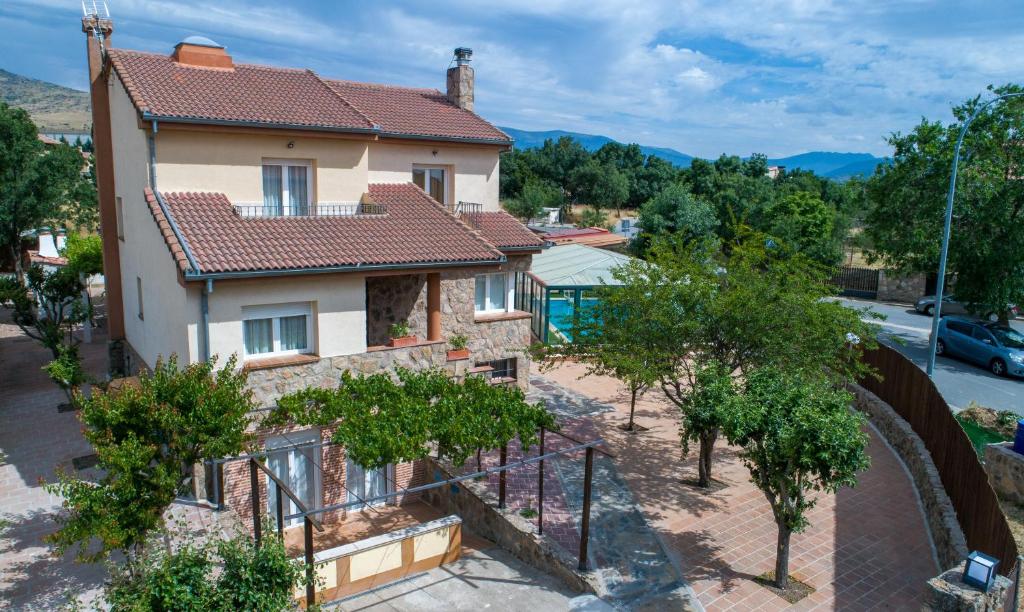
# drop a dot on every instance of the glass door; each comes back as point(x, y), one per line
point(299, 469)
point(364, 484)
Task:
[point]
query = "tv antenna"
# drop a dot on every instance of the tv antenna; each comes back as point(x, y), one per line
point(96, 16)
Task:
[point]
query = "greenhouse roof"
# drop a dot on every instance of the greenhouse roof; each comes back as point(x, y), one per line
point(576, 265)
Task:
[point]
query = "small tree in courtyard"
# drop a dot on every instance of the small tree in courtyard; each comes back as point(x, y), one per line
point(798, 436)
point(148, 437)
point(702, 413)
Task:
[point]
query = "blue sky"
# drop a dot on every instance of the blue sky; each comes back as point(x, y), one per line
point(701, 76)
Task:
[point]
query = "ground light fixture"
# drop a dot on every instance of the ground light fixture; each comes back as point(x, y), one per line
point(980, 570)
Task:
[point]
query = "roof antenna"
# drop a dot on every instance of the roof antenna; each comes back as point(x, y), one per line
point(96, 12)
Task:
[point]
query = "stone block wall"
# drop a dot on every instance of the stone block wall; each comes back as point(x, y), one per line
point(893, 287)
point(391, 299)
point(947, 536)
point(1005, 469)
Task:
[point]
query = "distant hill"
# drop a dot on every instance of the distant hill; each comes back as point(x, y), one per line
point(526, 139)
point(53, 108)
point(839, 166)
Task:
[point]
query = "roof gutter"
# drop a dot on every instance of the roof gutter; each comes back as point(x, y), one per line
point(516, 249)
point(163, 205)
point(198, 276)
point(460, 139)
point(148, 116)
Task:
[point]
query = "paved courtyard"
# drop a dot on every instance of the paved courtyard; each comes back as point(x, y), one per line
point(867, 548)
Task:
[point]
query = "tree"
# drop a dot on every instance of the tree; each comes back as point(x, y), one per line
point(148, 437)
point(906, 214)
point(37, 183)
point(84, 254)
point(702, 412)
point(536, 195)
point(675, 211)
point(47, 308)
point(593, 216)
point(798, 436)
point(805, 223)
point(599, 185)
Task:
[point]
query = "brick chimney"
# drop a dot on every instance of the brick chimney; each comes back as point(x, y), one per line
point(202, 52)
point(460, 79)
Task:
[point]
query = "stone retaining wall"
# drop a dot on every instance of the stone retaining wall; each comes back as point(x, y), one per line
point(1005, 469)
point(478, 508)
point(947, 536)
point(893, 287)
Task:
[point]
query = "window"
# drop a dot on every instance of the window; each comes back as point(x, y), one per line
point(119, 212)
point(283, 329)
point(432, 180)
point(494, 293)
point(983, 336)
point(502, 370)
point(286, 187)
point(957, 326)
point(138, 289)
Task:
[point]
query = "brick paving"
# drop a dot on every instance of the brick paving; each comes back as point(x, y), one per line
point(867, 548)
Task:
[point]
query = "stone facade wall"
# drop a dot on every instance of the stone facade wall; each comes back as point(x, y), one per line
point(478, 508)
point(893, 287)
point(1005, 469)
point(391, 299)
point(947, 536)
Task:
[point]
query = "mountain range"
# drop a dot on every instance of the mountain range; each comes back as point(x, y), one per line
point(839, 166)
point(52, 107)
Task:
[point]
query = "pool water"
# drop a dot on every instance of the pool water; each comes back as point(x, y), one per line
point(560, 315)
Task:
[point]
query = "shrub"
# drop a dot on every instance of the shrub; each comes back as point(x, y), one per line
point(399, 329)
point(458, 342)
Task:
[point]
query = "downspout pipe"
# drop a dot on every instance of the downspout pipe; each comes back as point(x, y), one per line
point(204, 300)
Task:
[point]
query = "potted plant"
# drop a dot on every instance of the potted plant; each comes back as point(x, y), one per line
point(458, 350)
point(400, 336)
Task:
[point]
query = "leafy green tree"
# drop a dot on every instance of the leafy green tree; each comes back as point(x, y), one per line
point(656, 175)
point(798, 436)
point(906, 213)
point(535, 196)
point(805, 223)
point(84, 254)
point(702, 411)
point(38, 185)
point(599, 185)
point(593, 216)
point(675, 211)
point(250, 578)
point(47, 308)
point(148, 438)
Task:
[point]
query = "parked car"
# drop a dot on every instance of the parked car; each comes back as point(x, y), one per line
point(996, 347)
point(952, 306)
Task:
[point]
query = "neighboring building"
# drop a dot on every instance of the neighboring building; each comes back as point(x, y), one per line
point(590, 236)
point(627, 227)
point(775, 171)
point(51, 242)
point(290, 220)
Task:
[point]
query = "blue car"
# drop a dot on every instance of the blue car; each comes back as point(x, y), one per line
point(996, 347)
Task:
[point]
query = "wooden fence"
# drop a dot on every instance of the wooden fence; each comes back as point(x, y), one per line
point(913, 396)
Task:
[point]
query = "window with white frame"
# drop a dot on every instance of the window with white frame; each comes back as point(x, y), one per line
point(279, 329)
point(494, 293)
point(287, 187)
point(433, 180)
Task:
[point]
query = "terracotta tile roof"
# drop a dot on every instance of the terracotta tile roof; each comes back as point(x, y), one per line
point(165, 230)
point(247, 93)
point(503, 230)
point(410, 111)
point(254, 94)
point(415, 230)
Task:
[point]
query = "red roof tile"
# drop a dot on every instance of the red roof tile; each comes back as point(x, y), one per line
point(254, 94)
point(503, 230)
point(421, 112)
point(245, 94)
point(414, 230)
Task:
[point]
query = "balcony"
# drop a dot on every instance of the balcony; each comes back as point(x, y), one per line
point(249, 210)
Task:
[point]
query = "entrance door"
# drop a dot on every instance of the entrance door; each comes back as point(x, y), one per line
point(364, 484)
point(298, 468)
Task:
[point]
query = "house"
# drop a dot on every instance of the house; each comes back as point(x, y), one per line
point(290, 220)
point(627, 227)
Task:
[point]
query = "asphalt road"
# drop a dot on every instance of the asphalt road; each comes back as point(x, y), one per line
point(959, 382)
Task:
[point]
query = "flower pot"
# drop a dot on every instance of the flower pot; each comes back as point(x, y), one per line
point(403, 341)
point(457, 354)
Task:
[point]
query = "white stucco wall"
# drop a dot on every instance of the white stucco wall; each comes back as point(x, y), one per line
point(143, 253)
point(339, 310)
point(232, 164)
point(475, 168)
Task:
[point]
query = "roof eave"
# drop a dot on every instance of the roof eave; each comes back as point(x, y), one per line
point(191, 276)
point(148, 116)
point(459, 139)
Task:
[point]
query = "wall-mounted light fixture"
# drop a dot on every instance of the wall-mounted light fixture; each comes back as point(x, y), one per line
point(291, 144)
point(980, 570)
point(434, 152)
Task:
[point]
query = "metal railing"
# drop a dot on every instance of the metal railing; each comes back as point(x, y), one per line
point(321, 209)
point(468, 211)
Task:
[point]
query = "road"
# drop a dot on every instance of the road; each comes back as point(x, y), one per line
point(959, 382)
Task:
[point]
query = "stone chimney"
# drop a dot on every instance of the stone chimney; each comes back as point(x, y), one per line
point(460, 79)
point(202, 52)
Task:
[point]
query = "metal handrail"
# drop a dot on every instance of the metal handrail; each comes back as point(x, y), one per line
point(321, 209)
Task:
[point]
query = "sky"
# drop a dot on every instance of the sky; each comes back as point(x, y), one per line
point(704, 77)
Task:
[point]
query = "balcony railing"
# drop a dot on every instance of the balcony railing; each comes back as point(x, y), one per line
point(322, 209)
point(468, 211)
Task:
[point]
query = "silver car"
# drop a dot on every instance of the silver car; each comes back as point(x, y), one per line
point(951, 306)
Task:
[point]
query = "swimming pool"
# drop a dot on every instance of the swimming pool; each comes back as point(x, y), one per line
point(560, 311)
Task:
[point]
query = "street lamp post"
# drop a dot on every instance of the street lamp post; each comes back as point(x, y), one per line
point(940, 283)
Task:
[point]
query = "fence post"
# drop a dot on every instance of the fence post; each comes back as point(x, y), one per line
point(280, 512)
point(218, 498)
point(585, 523)
point(1016, 585)
point(540, 487)
point(501, 477)
point(310, 582)
point(254, 481)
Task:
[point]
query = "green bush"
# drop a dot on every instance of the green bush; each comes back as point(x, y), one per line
point(399, 329)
